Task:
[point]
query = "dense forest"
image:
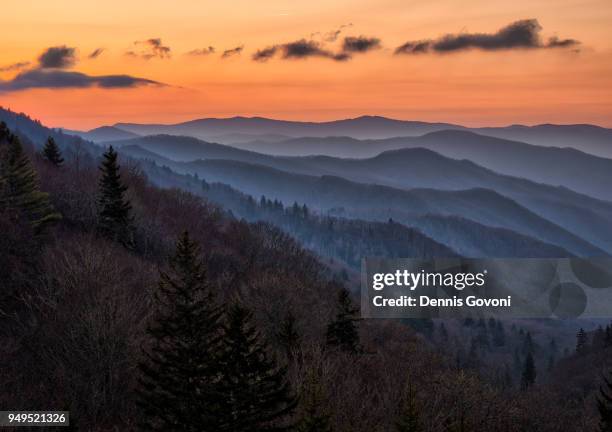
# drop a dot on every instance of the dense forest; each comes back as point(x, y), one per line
point(138, 307)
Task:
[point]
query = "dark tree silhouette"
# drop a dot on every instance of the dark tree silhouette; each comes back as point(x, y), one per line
point(342, 331)
point(256, 394)
point(581, 341)
point(529, 372)
point(604, 404)
point(52, 153)
point(180, 383)
point(19, 190)
point(115, 220)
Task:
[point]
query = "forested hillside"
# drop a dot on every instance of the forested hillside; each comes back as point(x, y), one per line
point(79, 293)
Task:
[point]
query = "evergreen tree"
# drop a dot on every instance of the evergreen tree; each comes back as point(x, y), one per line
point(529, 372)
point(20, 195)
point(314, 415)
point(604, 405)
point(581, 341)
point(256, 394)
point(499, 335)
point(528, 344)
point(180, 389)
point(51, 152)
point(409, 419)
point(342, 331)
point(516, 358)
point(115, 220)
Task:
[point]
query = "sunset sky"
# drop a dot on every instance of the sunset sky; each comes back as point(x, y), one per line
point(150, 61)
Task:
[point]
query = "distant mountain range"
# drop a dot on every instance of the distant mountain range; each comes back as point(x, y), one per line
point(468, 238)
point(424, 183)
point(103, 134)
point(550, 165)
point(375, 202)
point(278, 136)
point(406, 169)
point(362, 127)
point(275, 136)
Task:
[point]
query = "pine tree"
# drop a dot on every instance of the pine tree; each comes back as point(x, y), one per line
point(180, 389)
point(409, 419)
point(604, 404)
point(499, 335)
point(529, 372)
point(114, 216)
point(20, 194)
point(516, 360)
point(581, 341)
point(528, 344)
point(52, 153)
point(314, 415)
point(256, 394)
point(342, 331)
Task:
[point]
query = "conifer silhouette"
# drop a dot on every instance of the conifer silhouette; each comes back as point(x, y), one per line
point(180, 383)
point(114, 214)
point(52, 153)
point(342, 331)
point(604, 404)
point(256, 394)
point(19, 190)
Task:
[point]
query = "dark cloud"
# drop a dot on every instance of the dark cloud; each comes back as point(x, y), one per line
point(151, 48)
point(232, 52)
point(14, 67)
point(360, 44)
point(303, 48)
point(59, 79)
point(555, 42)
point(341, 56)
point(96, 53)
point(306, 48)
point(202, 51)
point(414, 47)
point(59, 57)
point(523, 34)
point(265, 54)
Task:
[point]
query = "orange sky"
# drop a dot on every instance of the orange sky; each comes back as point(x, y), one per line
point(471, 87)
